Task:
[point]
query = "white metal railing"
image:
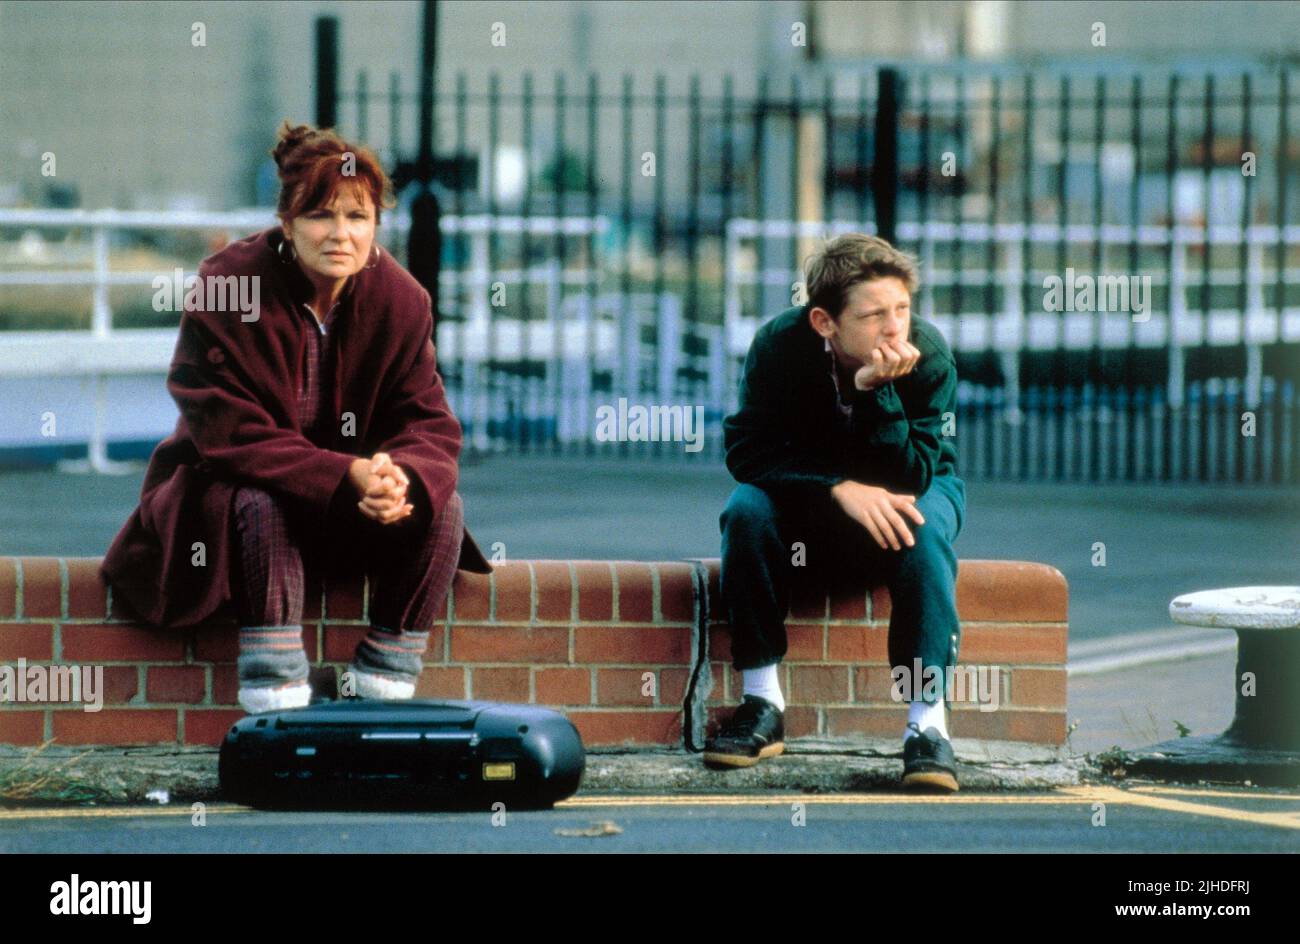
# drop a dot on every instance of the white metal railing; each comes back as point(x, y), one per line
point(105, 351)
point(609, 332)
point(1013, 329)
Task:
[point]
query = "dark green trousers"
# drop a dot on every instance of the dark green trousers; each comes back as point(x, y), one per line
point(760, 531)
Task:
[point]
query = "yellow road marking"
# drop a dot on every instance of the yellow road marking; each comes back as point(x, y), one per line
point(866, 799)
point(702, 799)
point(98, 812)
point(1143, 796)
point(1121, 797)
point(1188, 791)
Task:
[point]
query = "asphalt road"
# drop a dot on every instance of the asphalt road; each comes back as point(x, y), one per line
point(1159, 540)
point(1142, 819)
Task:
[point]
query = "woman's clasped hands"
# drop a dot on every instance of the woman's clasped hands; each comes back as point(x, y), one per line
point(382, 485)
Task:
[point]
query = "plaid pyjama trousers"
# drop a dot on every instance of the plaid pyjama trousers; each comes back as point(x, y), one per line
point(410, 563)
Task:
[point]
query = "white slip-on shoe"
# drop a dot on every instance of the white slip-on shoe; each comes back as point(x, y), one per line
point(256, 700)
point(381, 687)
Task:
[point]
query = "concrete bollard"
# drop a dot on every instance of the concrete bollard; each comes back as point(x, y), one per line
point(1262, 744)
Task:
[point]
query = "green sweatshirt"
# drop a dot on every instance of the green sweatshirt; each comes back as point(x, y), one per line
point(789, 431)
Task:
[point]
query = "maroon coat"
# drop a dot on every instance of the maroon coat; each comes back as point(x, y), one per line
point(236, 383)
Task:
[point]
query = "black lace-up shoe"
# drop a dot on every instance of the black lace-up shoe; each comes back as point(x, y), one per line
point(755, 731)
point(928, 761)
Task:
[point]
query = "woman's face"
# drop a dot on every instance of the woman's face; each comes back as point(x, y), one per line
point(334, 241)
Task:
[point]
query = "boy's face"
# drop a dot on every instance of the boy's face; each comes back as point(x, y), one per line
point(875, 313)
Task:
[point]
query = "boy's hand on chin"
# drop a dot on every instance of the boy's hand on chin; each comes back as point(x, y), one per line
point(889, 361)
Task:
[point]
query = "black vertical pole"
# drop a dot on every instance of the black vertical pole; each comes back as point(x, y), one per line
point(363, 106)
point(958, 248)
point(998, 416)
point(593, 244)
point(492, 377)
point(561, 171)
point(1130, 473)
point(884, 168)
point(1027, 257)
point(524, 377)
point(629, 379)
point(1279, 290)
point(395, 115)
point(828, 151)
point(1060, 357)
point(424, 242)
point(1171, 165)
point(861, 148)
point(660, 224)
point(728, 211)
point(692, 243)
point(758, 160)
point(327, 71)
point(1239, 471)
point(794, 166)
point(459, 243)
point(1207, 353)
point(1096, 359)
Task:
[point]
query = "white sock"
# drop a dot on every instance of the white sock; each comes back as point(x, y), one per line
point(926, 714)
point(256, 700)
point(765, 683)
point(381, 687)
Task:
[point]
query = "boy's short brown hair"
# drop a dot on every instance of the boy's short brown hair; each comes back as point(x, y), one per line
point(852, 258)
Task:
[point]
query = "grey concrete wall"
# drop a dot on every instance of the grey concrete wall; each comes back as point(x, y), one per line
point(139, 117)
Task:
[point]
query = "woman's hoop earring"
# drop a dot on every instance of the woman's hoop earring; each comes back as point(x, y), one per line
point(279, 251)
point(374, 258)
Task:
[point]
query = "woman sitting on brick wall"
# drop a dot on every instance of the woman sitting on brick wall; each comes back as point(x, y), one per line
point(313, 421)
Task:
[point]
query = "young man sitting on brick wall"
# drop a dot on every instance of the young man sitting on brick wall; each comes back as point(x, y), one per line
point(843, 465)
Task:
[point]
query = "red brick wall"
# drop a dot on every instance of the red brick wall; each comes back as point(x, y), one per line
point(836, 675)
point(612, 644)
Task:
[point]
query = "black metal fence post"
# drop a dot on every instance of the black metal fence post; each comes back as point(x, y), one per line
point(327, 71)
point(884, 166)
point(424, 242)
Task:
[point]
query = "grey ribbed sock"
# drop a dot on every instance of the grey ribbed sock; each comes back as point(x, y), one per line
point(271, 656)
point(391, 653)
